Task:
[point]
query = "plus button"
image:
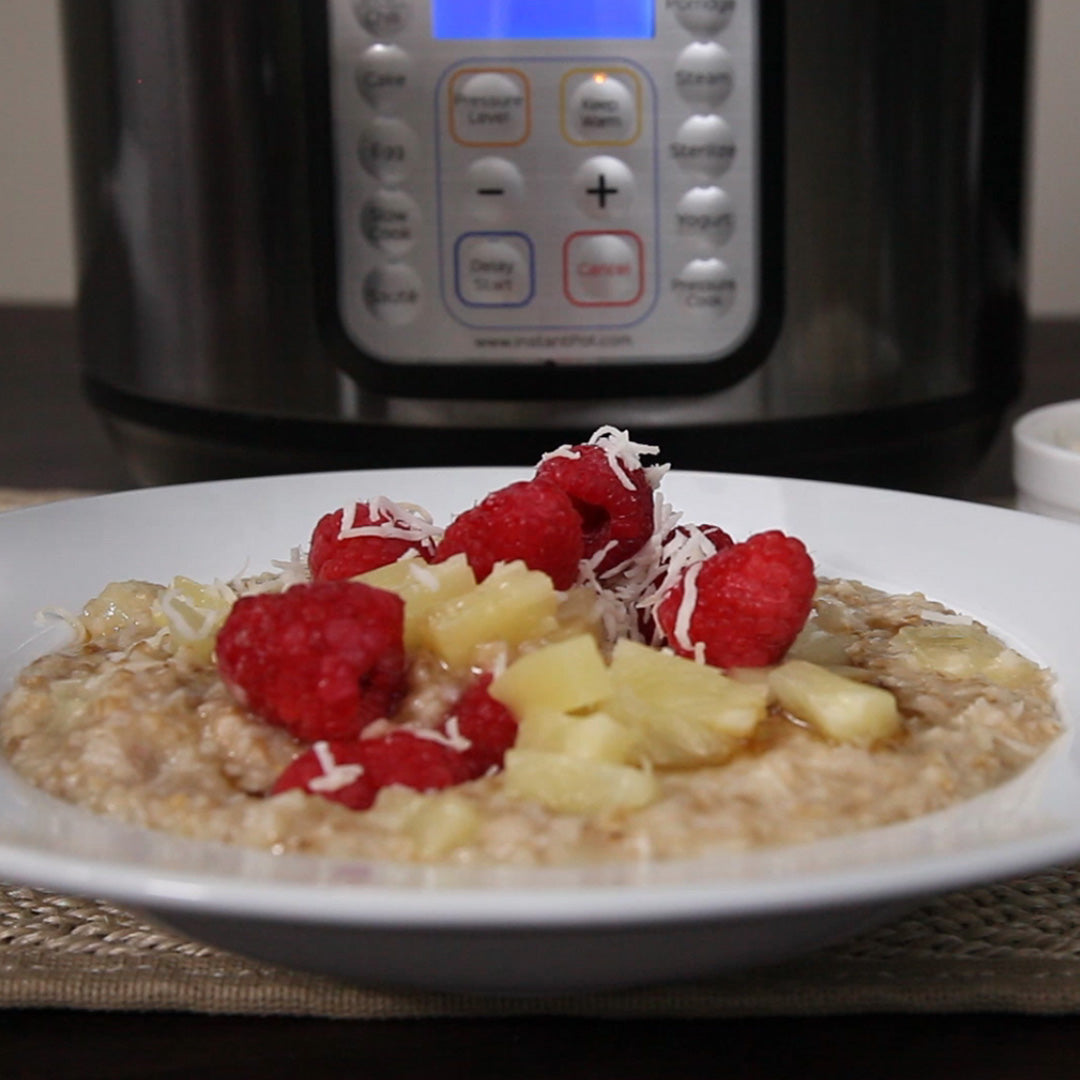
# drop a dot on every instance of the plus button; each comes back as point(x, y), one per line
point(603, 187)
point(601, 191)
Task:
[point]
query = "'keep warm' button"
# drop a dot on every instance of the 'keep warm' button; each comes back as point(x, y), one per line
point(603, 269)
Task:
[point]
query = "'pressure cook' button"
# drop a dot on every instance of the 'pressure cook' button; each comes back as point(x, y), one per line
point(489, 108)
point(388, 150)
point(703, 73)
point(603, 269)
point(601, 110)
point(495, 187)
point(390, 220)
point(604, 186)
point(382, 76)
point(704, 144)
point(706, 213)
point(494, 269)
point(705, 287)
point(703, 16)
point(393, 294)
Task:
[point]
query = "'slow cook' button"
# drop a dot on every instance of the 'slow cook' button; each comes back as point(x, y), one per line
point(603, 269)
point(390, 220)
point(393, 294)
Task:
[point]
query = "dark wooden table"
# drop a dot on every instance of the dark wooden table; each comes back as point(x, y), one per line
point(50, 438)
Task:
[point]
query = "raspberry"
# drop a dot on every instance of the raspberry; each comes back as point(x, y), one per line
point(322, 660)
point(361, 768)
point(612, 513)
point(531, 520)
point(752, 600)
point(333, 557)
point(488, 725)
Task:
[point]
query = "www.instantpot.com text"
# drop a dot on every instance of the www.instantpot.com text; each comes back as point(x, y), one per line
point(569, 340)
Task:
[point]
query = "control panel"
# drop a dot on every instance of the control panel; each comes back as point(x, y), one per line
point(530, 182)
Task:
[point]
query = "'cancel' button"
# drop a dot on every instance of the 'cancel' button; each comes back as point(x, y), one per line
point(603, 269)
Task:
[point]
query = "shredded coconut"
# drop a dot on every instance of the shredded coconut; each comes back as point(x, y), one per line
point(392, 521)
point(335, 776)
point(451, 738)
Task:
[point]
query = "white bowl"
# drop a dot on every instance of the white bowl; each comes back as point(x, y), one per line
point(1046, 460)
point(517, 929)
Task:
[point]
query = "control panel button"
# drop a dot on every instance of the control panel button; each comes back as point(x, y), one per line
point(603, 269)
point(489, 108)
point(706, 213)
point(704, 73)
point(388, 149)
point(382, 18)
point(382, 76)
point(390, 220)
point(494, 269)
point(705, 287)
point(600, 108)
point(495, 187)
point(393, 294)
point(703, 16)
point(704, 144)
point(604, 186)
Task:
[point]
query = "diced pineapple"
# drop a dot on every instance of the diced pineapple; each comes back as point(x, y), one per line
point(838, 707)
point(442, 822)
point(423, 587)
point(964, 652)
point(577, 785)
point(595, 735)
point(567, 675)
point(820, 646)
point(512, 604)
point(686, 713)
point(193, 614)
point(122, 606)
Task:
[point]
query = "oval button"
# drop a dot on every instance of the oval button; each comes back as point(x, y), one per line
point(703, 16)
point(705, 287)
point(489, 108)
point(382, 76)
point(704, 73)
point(393, 294)
point(602, 110)
point(390, 220)
point(495, 188)
point(704, 144)
point(388, 149)
point(603, 269)
point(706, 213)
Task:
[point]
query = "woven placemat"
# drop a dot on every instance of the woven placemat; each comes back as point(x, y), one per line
point(1011, 947)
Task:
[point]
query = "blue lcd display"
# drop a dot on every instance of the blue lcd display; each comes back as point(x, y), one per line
point(518, 20)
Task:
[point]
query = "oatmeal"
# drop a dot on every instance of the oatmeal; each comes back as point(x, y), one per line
point(467, 695)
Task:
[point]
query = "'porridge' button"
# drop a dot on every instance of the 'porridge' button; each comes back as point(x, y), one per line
point(393, 294)
point(702, 16)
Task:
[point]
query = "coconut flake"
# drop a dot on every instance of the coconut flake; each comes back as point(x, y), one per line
point(334, 776)
point(451, 738)
point(391, 521)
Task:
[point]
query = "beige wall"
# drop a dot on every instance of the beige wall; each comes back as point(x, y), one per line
point(35, 219)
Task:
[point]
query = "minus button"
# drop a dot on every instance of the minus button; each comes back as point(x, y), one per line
point(495, 187)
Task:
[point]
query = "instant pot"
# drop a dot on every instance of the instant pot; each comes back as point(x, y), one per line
point(771, 237)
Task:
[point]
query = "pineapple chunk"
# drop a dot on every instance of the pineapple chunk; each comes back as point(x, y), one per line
point(193, 614)
point(595, 735)
point(423, 587)
point(686, 713)
point(122, 606)
point(442, 822)
point(838, 707)
point(577, 785)
point(512, 605)
point(964, 652)
point(567, 675)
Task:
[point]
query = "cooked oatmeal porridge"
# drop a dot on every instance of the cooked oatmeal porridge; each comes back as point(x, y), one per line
point(566, 672)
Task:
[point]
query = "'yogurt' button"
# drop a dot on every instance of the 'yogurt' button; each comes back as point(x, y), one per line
point(494, 271)
point(703, 16)
point(704, 73)
point(489, 108)
point(388, 149)
point(707, 214)
point(705, 286)
point(393, 294)
point(382, 76)
point(704, 144)
point(603, 269)
point(390, 220)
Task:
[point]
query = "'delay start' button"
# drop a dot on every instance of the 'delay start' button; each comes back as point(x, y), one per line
point(494, 269)
point(603, 269)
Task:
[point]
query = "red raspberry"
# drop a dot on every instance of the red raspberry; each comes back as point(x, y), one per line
point(531, 520)
point(322, 660)
point(752, 600)
point(334, 558)
point(609, 509)
point(402, 757)
point(488, 725)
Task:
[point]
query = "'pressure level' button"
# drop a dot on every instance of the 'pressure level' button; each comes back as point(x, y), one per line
point(489, 108)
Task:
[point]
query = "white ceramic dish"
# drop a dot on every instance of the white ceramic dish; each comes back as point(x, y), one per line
point(1046, 460)
point(511, 929)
